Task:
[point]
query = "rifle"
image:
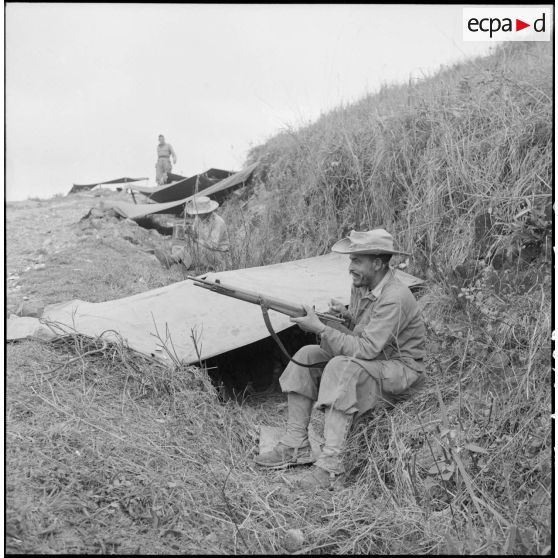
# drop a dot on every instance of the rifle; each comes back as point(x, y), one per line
point(291, 309)
point(266, 303)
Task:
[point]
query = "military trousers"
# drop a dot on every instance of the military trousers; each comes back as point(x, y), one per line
point(350, 385)
point(162, 168)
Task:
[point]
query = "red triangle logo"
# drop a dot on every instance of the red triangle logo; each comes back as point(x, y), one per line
point(519, 25)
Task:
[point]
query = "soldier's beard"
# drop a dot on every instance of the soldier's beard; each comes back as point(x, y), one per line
point(359, 280)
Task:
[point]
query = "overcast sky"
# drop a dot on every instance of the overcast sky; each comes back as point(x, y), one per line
point(90, 86)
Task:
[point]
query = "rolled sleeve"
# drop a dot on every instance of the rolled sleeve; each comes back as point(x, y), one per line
point(386, 320)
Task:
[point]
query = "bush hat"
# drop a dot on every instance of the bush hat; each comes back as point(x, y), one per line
point(200, 204)
point(376, 241)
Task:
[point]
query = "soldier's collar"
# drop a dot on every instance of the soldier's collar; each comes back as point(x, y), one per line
point(374, 293)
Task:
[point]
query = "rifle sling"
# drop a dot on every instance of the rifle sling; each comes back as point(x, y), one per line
point(280, 343)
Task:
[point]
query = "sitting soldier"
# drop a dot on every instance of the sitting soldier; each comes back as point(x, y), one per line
point(206, 241)
point(377, 355)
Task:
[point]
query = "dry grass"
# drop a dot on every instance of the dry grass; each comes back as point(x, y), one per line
point(423, 161)
point(114, 453)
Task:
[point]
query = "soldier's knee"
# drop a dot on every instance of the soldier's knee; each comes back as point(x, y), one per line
point(339, 362)
point(307, 354)
point(338, 366)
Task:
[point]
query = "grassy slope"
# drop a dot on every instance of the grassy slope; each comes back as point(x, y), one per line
point(112, 454)
point(419, 160)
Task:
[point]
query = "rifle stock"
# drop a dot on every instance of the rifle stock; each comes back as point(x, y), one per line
point(291, 309)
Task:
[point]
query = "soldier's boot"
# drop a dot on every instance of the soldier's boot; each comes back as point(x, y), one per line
point(294, 447)
point(328, 471)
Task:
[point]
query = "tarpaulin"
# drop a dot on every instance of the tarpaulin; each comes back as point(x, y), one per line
point(182, 311)
point(182, 187)
point(235, 180)
point(83, 187)
point(22, 327)
point(137, 211)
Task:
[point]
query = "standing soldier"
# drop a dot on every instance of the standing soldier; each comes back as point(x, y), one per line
point(163, 165)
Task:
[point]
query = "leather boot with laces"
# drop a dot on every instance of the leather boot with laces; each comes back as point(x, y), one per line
point(282, 456)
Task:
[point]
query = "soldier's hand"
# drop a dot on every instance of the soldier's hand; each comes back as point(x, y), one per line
point(310, 322)
point(337, 307)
